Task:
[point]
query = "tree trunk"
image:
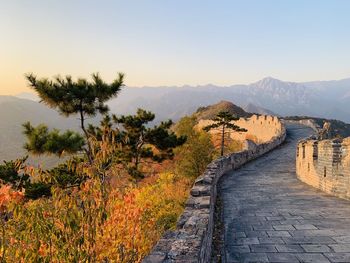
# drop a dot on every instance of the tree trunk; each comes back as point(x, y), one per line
point(137, 161)
point(223, 140)
point(82, 125)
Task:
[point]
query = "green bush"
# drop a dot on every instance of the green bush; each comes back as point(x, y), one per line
point(37, 190)
point(10, 173)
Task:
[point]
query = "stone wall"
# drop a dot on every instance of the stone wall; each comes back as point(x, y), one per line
point(325, 165)
point(192, 239)
point(263, 128)
point(307, 122)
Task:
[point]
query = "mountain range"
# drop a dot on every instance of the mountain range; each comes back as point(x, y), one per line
point(326, 99)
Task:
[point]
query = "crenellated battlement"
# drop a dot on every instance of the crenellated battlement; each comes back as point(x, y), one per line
point(262, 127)
point(325, 165)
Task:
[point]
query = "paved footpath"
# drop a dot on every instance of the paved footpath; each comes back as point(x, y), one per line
point(270, 216)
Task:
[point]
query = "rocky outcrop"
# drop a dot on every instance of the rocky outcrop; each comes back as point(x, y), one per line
point(192, 239)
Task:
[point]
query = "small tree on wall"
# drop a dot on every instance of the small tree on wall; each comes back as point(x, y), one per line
point(82, 97)
point(223, 122)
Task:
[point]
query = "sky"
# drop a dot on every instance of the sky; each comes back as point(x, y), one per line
point(174, 42)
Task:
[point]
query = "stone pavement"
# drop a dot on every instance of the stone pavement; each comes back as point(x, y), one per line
point(270, 216)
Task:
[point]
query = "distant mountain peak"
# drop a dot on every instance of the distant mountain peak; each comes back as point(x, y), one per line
point(269, 78)
point(268, 81)
point(224, 104)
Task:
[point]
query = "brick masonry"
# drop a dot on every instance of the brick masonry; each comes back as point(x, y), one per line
point(192, 239)
point(325, 165)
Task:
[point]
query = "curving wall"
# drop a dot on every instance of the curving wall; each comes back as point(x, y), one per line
point(325, 165)
point(263, 128)
point(192, 239)
point(307, 122)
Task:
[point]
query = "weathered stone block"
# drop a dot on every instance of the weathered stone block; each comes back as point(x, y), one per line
point(325, 165)
point(198, 202)
point(201, 190)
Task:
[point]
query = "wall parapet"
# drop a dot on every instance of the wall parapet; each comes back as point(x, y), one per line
point(307, 122)
point(191, 241)
point(262, 128)
point(325, 165)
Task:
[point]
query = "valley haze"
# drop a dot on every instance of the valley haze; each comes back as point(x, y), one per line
point(328, 99)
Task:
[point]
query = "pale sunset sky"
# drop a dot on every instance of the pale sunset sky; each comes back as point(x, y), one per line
point(174, 42)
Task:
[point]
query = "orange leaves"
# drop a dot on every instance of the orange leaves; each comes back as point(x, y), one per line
point(108, 218)
point(139, 218)
point(4, 196)
point(86, 224)
point(122, 233)
point(43, 249)
point(8, 195)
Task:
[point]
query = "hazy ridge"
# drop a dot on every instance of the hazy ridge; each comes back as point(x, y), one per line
point(327, 99)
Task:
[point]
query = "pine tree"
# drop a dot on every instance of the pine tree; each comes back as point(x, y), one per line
point(40, 140)
point(141, 143)
point(11, 172)
point(223, 121)
point(14, 173)
point(82, 97)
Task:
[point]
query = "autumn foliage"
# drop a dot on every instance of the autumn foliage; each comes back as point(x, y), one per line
point(75, 226)
point(107, 218)
point(124, 187)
